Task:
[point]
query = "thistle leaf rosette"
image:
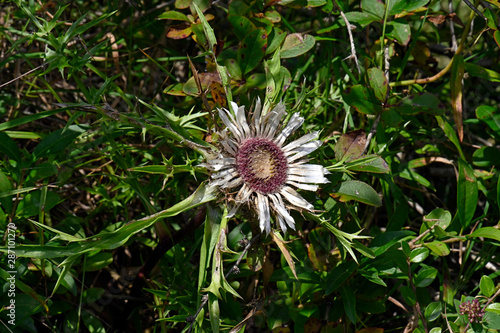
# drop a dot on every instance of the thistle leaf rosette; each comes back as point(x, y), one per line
point(255, 163)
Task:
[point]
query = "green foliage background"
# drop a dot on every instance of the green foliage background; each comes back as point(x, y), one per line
point(108, 110)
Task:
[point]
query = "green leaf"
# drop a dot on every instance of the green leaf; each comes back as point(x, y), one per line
point(423, 102)
point(425, 277)
point(7, 277)
point(368, 163)
point(360, 99)
point(487, 286)
point(486, 157)
point(491, 116)
point(5, 187)
point(467, 193)
point(359, 191)
point(174, 15)
point(433, 311)
point(337, 276)
point(363, 19)
point(408, 295)
point(9, 147)
point(214, 311)
point(419, 254)
point(451, 134)
point(486, 232)
point(209, 32)
point(491, 321)
point(494, 307)
point(98, 261)
point(252, 50)
point(349, 301)
point(242, 26)
point(350, 145)
point(438, 248)
point(399, 30)
point(400, 6)
point(275, 38)
point(374, 7)
point(378, 82)
point(58, 141)
point(296, 44)
point(439, 217)
point(481, 72)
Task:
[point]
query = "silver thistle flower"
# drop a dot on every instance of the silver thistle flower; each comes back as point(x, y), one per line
point(257, 161)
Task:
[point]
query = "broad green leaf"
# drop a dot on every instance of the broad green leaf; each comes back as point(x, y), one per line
point(359, 191)
point(242, 25)
point(7, 277)
point(360, 99)
point(439, 217)
point(423, 102)
point(433, 311)
point(438, 248)
point(487, 286)
point(401, 6)
point(494, 307)
point(337, 276)
point(350, 145)
point(486, 157)
point(275, 38)
point(368, 163)
point(467, 193)
point(419, 254)
point(58, 140)
point(349, 301)
point(98, 261)
point(5, 187)
point(174, 15)
point(296, 44)
point(481, 72)
point(374, 7)
point(399, 30)
point(491, 321)
point(451, 134)
point(486, 232)
point(9, 147)
point(425, 277)
point(408, 295)
point(498, 193)
point(491, 116)
point(361, 18)
point(378, 82)
point(252, 50)
point(373, 276)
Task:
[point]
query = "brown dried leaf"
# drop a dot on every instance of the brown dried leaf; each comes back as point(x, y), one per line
point(350, 145)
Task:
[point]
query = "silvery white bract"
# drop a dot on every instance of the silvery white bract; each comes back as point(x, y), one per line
point(265, 169)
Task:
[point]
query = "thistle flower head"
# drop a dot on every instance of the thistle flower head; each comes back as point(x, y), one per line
point(256, 162)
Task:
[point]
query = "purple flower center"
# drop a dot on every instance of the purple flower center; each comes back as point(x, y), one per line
point(262, 165)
